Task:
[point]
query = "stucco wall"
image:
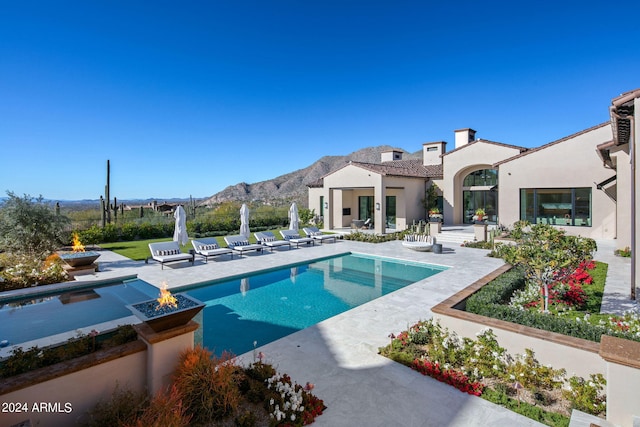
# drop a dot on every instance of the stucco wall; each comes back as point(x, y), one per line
point(78, 392)
point(573, 163)
point(623, 199)
point(458, 164)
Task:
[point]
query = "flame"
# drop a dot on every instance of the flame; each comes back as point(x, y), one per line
point(166, 299)
point(77, 245)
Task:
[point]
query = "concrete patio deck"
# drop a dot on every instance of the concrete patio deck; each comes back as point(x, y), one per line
point(339, 355)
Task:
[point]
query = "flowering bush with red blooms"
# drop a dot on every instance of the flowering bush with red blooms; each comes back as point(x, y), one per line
point(569, 291)
point(313, 408)
point(448, 376)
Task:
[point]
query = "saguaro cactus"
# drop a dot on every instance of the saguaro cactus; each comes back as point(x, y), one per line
point(105, 203)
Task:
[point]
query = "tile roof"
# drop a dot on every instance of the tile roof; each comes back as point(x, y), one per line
point(401, 168)
point(550, 144)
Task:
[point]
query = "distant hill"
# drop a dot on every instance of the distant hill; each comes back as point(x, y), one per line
point(293, 186)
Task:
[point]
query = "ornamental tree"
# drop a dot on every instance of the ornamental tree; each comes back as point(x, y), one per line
point(30, 226)
point(546, 254)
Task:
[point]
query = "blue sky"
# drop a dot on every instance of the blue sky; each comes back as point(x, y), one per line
point(186, 98)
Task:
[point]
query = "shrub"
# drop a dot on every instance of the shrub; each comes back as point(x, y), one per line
point(491, 301)
point(22, 360)
point(207, 384)
point(586, 396)
point(29, 226)
point(374, 238)
point(19, 271)
point(626, 252)
point(122, 409)
point(532, 375)
point(164, 410)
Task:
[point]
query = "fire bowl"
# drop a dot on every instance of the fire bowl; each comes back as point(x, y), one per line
point(160, 318)
point(78, 259)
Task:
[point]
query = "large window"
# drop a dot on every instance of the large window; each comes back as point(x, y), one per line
point(556, 206)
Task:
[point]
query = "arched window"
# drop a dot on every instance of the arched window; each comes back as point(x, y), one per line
point(481, 178)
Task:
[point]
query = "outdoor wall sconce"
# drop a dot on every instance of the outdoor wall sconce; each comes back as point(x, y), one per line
point(326, 205)
point(377, 206)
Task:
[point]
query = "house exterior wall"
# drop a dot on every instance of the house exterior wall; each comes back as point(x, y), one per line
point(409, 193)
point(573, 163)
point(622, 193)
point(314, 199)
point(343, 187)
point(458, 164)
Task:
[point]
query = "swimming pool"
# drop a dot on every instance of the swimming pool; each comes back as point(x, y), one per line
point(261, 307)
point(267, 306)
point(43, 315)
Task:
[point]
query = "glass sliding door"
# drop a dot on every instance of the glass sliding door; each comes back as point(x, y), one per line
point(365, 208)
point(480, 199)
point(391, 211)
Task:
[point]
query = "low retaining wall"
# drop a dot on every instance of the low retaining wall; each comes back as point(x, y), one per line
point(62, 394)
point(617, 359)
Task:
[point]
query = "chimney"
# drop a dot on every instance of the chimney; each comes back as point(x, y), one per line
point(391, 155)
point(431, 152)
point(464, 136)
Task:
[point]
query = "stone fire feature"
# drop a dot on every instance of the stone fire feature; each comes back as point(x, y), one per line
point(160, 318)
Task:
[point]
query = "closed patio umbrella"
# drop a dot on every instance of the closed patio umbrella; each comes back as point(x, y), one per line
point(180, 231)
point(244, 221)
point(293, 217)
point(244, 285)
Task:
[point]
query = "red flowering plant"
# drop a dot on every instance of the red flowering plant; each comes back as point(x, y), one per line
point(568, 292)
point(448, 376)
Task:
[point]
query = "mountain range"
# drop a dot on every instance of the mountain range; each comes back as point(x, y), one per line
point(292, 187)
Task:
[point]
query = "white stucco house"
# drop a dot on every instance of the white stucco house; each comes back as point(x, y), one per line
point(584, 183)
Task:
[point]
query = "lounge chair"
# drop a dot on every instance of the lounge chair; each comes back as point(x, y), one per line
point(268, 239)
point(292, 236)
point(316, 234)
point(419, 242)
point(240, 244)
point(208, 247)
point(164, 252)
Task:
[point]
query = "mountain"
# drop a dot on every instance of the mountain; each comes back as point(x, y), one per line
point(293, 186)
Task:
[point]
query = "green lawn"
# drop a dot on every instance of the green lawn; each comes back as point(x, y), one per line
point(138, 250)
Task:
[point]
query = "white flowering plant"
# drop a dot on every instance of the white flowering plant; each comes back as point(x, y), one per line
point(481, 363)
point(587, 396)
point(291, 404)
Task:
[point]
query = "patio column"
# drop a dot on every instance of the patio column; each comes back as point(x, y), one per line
point(328, 210)
point(379, 206)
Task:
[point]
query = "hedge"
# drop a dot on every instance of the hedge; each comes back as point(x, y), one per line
point(493, 298)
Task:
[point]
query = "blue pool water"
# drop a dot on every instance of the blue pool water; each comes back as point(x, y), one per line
point(268, 306)
point(45, 315)
point(261, 307)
